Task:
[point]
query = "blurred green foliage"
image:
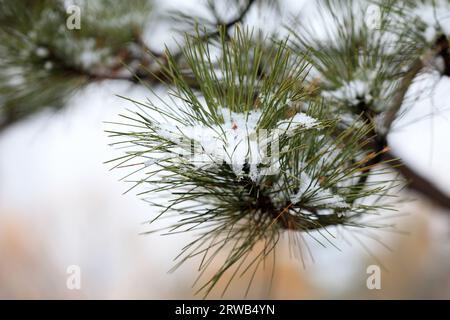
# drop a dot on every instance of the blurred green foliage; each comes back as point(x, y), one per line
point(43, 61)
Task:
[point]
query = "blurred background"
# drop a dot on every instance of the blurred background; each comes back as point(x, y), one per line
point(60, 205)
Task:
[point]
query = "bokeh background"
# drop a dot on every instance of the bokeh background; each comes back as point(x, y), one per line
point(60, 205)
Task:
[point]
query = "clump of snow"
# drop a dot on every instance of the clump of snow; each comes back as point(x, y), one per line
point(351, 92)
point(271, 96)
point(299, 120)
point(41, 52)
point(237, 142)
point(324, 197)
point(90, 55)
point(365, 87)
point(230, 143)
point(48, 65)
point(312, 191)
point(305, 183)
point(15, 76)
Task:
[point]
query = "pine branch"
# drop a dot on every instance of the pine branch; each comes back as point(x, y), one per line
point(66, 66)
point(308, 183)
point(339, 65)
point(406, 82)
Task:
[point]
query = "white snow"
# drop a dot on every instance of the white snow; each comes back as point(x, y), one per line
point(48, 65)
point(351, 92)
point(299, 120)
point(90, 56)
point(66, 206)
point(237, 142)
point(16, 76)
point(317, 195)
point(41, 52)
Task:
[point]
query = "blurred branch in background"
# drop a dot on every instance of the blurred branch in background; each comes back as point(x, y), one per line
point(361, 73)
point(43, 62)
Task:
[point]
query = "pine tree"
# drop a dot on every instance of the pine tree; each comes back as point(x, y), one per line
point(260, 134)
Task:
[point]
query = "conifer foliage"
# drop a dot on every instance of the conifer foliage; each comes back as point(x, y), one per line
point(43, 62)
point(248, 154)
point(257, 134)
